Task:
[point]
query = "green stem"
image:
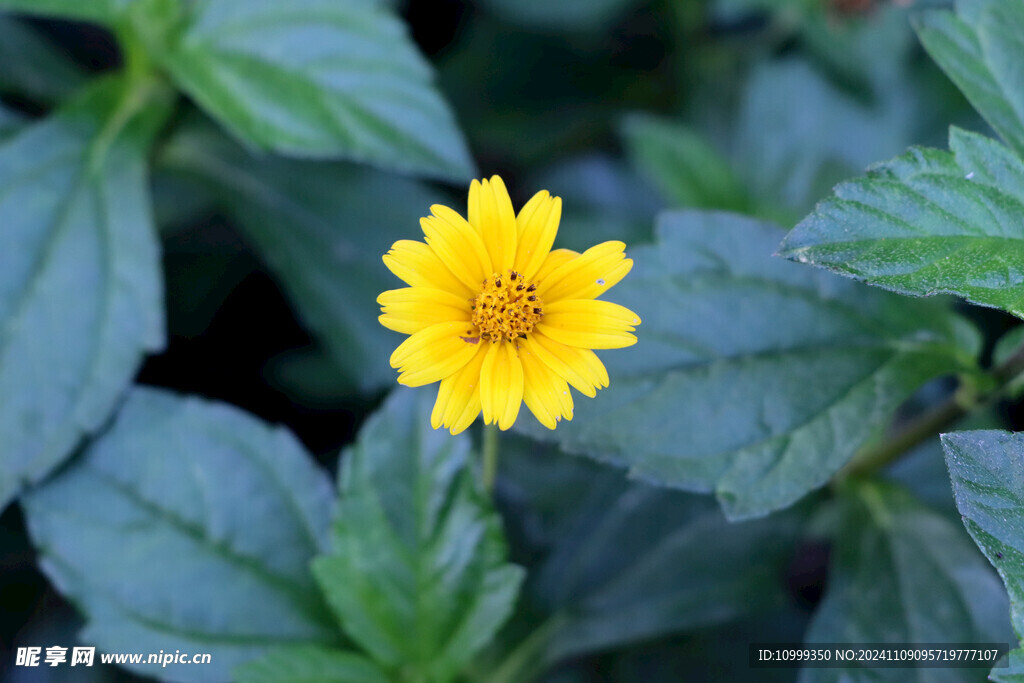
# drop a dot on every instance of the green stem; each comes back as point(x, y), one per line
point(138, 66)
point(935, 421)
point(490, 457)
point(142, 88)
point(529, 659)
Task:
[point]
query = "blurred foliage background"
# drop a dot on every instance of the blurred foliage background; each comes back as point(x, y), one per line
point(621, 107)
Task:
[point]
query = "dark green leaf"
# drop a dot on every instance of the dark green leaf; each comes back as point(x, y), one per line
point(923, 473)
point(987, 469)
point(571, 15)
point(310, 377)
point(10, 122)
point(601, 200)
point(904, 574)
point(34, 67)
point(734, 10)
point(91, 10)
point(1013, 671)
point(199, 283)
point(180, 204)
point(417, 575)
point(713, 654)
point(322, 229)
point(80, 289)
point(684, 167)
point(927, 222)
point(790, 155)
point(1008, 345)
point(311, 664)
point(526, 97)
point(860, 49)
point(753, 378)
point(318, 78)
point(870, 52)
point(189, 525)
point(980, 51)
point(621, 562)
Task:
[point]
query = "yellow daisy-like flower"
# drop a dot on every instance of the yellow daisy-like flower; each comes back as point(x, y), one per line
point(498, 317)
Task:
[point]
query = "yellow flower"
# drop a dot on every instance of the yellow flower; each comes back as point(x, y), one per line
point(498, 317)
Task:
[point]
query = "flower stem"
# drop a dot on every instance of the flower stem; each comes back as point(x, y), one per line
point(490, 457)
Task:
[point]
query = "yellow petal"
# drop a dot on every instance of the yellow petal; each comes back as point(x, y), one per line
point(434, 353)
point(595, 287)
point(411, 309)
point(492, 215)
point(580, 367)
point(598, 313)
point(537, 224)
point(419, 266)
point(552, 262)
point(458, 398)
point(589, 323)
point(458, 245)
point(473, 206)
point(588, 275)
point(501, 385)
point(545, 393)
point(529, 210)
point(588, 340)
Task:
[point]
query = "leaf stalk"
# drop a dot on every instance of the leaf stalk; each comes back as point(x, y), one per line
point(937, 420)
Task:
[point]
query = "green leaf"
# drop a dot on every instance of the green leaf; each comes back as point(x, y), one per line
point(417, 575)
point(310, 377)
point(1008, 345)
point(80, 288)
point(904, 574)
point(927, 222)
point(34, 67)
point(987, 469)
point(180, 206)
point(565, 15)
point(752, 377)
point(622, 562)
point(528, 116)
point(684, 167)
point(869, 52)
point(601, 200)
point(1014, 668)
point(322, 229)
point(10, 122)
point(716, 654)
point(188, 525)
point(922, 471)
point(311, 664)
point(318, 78)
point(980, 51)
point(788, 155)
point(90, 10)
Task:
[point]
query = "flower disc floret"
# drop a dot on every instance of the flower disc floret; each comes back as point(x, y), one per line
point(507, 307)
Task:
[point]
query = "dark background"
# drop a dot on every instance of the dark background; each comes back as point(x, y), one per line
point(525, 100)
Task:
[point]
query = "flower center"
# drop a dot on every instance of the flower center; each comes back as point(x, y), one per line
point(506, 308)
